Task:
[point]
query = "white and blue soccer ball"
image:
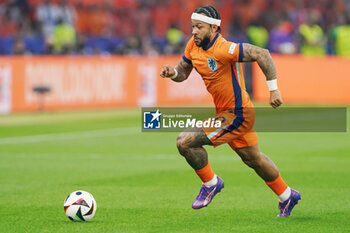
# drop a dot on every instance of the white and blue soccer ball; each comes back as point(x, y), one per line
point(80, 206)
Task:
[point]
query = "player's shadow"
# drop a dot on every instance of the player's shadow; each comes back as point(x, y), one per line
point(78, 223)
point(298, 218)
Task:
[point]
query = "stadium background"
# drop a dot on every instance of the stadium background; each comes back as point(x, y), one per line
point(123, 34)
point(102, 60)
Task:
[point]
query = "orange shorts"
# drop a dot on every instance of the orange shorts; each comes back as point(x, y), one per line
point(236, 128)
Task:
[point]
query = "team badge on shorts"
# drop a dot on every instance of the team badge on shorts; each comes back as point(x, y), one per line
point(212, 64)
point(151, 120)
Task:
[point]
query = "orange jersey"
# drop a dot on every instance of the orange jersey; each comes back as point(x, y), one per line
point(221, 71)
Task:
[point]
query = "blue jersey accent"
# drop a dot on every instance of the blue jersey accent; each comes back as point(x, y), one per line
point(240, 56)
point(187, 60)
point(238, 106)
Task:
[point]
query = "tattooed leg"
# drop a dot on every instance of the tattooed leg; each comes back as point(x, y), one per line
point(190, 145)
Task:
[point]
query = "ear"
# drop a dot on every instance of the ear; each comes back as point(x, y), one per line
point(214, 27)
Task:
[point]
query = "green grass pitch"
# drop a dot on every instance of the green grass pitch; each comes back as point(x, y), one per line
point(141, 184)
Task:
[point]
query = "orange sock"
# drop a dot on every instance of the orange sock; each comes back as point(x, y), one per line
point(205, 173)
point(278, 185)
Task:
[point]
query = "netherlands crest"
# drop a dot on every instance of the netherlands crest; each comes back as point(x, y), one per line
point(212, 64)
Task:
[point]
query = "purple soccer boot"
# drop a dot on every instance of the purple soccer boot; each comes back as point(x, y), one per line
point(206, 194)
point(287, 206)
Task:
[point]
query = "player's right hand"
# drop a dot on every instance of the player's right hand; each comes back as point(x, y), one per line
point(167, 71)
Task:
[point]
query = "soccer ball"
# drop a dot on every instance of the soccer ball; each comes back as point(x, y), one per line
point(80, 206)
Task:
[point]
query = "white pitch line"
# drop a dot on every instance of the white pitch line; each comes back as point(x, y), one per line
point(71, 135)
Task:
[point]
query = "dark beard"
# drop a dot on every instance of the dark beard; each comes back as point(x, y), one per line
point(205, 42)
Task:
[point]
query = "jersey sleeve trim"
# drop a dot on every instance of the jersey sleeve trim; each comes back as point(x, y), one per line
point(240, 56)
point(187, 60)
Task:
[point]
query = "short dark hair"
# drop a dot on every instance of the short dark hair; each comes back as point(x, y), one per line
point(209, 11)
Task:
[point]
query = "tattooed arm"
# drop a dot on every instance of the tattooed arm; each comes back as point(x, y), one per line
point(263, 58)
point(183, 71)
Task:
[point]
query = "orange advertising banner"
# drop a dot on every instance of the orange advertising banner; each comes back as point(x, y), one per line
point(307, 80)
point(74, 83)
point(78, 82)
point(93, 82)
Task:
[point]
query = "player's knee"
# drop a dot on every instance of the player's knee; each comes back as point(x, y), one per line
point(247, 161)
point(180, 143)
point(253, 161)
point(183, 143)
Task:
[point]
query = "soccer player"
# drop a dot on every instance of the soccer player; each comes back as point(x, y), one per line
point(218, 62)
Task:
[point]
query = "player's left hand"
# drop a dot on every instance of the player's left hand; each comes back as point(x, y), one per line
point(275, 98)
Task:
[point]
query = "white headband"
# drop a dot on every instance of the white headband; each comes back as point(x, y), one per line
point(206, 19)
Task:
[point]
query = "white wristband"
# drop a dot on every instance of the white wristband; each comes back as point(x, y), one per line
point(272, 84)
point(175, 75)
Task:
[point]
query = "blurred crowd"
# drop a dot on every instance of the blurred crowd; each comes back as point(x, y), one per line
point(151, 27)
